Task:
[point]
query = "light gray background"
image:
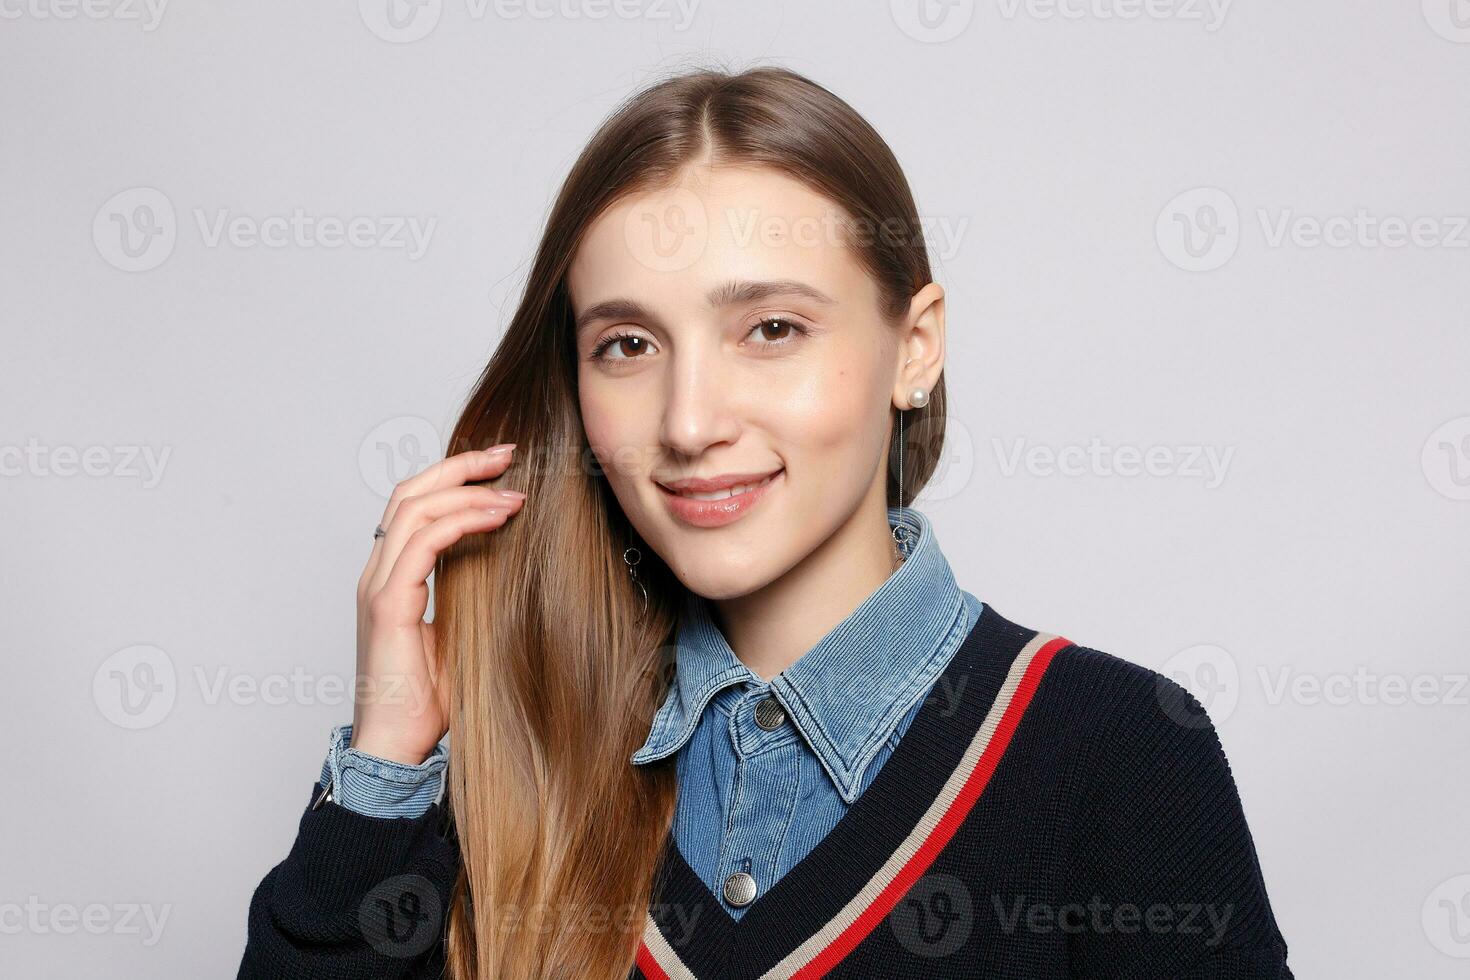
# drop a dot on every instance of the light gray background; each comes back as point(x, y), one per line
point(290, 385)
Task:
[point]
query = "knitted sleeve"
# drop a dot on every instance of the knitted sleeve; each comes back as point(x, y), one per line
point(357, 897)
point(1169, 881)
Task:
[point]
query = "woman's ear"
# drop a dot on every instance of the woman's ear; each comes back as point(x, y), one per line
point(920, 345)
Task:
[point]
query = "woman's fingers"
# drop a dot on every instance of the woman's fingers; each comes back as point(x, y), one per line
point(451, 472)
point(403, 597)
point(414, 513)
point(425, 515)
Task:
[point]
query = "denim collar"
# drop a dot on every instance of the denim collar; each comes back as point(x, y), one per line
point(847, 694)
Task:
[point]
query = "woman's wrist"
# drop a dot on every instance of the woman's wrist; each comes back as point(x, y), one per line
point(377, 786)
point(389, 750)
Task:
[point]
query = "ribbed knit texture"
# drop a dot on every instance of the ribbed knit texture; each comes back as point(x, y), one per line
point(356, 897)
point(1108, 841)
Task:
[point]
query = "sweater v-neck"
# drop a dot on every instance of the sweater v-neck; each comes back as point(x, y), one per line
point(904, 628)
point(820, 909)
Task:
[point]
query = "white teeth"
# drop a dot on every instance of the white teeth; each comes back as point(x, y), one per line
point(728, 492)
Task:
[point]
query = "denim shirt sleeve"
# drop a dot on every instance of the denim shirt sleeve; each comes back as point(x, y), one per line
point(377, 787)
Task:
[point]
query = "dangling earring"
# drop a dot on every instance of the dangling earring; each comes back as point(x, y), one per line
point(918, 398)
point(631, 558)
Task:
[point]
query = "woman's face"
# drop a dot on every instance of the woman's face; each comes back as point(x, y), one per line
point(724, 332)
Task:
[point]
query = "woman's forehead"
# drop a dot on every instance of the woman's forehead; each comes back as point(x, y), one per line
point(678, 244)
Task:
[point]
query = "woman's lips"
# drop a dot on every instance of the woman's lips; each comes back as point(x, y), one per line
point(717, 513)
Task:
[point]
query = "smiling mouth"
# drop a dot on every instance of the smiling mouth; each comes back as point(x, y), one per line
point(716, 507)
point(724, 494)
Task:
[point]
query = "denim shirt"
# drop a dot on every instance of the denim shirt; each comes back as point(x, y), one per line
point(759, 785)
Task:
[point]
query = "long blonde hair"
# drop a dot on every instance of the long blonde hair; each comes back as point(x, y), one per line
point(556, 669)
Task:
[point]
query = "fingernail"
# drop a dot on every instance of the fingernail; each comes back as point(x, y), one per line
point(513, 493)
point(504, 447)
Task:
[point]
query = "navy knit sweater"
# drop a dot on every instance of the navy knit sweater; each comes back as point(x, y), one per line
point(1053, 811)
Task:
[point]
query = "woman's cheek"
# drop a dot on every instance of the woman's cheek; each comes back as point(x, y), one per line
point(834, 408)
point(613, 443)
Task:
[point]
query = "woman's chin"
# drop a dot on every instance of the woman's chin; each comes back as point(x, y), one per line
point(718, 578)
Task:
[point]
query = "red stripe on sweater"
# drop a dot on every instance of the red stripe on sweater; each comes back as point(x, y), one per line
point(975, 784)
point(648, 965)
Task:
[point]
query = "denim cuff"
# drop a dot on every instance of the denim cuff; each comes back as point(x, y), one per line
point(377, 787)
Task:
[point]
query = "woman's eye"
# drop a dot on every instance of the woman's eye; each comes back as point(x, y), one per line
point(776, 331)
point(770, 332)
point(626, 345)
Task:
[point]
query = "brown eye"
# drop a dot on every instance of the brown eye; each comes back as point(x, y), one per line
point(624, 347)
point(781, 327)
point(777, 331)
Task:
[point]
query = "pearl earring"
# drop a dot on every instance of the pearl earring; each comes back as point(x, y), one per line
point(918, 398)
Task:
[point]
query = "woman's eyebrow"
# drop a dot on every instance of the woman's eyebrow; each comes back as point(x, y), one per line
point(738, 291)
point(727, 294)
point(612, 309)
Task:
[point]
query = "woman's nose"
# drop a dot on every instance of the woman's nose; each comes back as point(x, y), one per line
point(700, 407)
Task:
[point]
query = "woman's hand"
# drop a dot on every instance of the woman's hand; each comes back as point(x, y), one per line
point(402, 702)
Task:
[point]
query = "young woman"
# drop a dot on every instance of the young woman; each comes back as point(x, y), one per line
point(717, 706)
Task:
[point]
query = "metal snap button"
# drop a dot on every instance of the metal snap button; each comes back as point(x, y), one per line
point(769, 714)
point(739, 889)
